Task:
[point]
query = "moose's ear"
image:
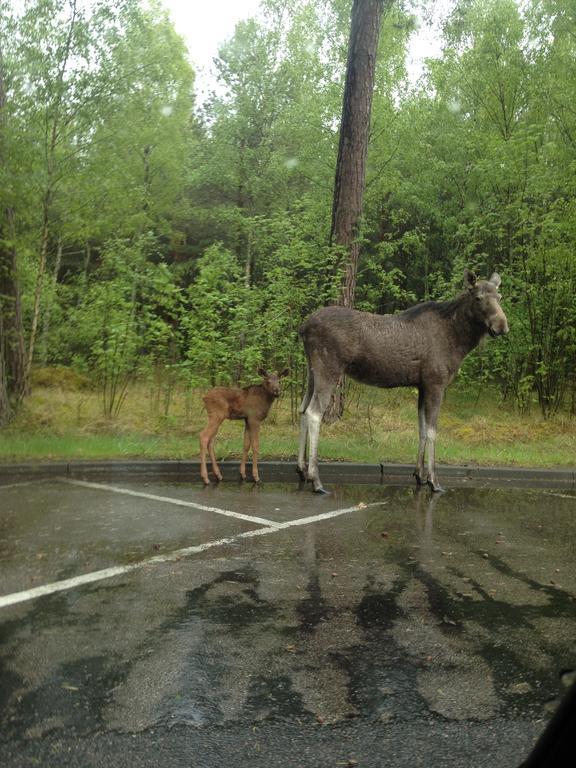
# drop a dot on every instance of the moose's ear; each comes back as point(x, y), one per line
point(495, 280)
point(283, 373)
point(263, 372)
point(470, 279)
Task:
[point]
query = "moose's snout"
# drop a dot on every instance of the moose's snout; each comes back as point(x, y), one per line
point(498, 325)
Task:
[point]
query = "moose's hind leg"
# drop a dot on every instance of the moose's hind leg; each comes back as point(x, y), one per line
point(207, 446)
point(207, 437)
point(215, 467)
point(301, 466)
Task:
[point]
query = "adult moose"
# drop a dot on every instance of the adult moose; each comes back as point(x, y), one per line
point(421, 347)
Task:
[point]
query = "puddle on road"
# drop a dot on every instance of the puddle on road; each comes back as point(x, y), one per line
point(459, 606)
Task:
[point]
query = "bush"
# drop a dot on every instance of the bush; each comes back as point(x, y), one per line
point(60, 377)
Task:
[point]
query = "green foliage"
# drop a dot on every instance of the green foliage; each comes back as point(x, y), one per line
point(60, 377)
point(193, 244)
point(128, 319)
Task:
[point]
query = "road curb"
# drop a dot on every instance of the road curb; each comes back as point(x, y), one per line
point(284, 471)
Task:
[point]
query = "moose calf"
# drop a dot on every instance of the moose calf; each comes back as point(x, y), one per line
point(250, 404)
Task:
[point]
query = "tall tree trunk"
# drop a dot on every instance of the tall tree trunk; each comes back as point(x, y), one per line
point(5, 409)
point(85, 268)
point(51, 298)
point(13, 381)
point(352, 150)
point(39, 285)
point(354, 130)
point(54, 121)
point(11, 311)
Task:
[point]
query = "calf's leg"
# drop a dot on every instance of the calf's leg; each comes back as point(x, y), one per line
point(215, 468)
point(207, 444)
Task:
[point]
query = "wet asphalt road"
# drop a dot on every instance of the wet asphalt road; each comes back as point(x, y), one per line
point(406, 630)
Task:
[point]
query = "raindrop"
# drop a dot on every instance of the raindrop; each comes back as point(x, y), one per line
point(291, 163)
point(28, 87)
point(568, 677)
point(415, 22)
point(166, 110)
point(454, 106)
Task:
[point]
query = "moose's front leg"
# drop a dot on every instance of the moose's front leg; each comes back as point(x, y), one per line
point(419, 471)
point(432, 403)
point(255, 440)
point(246, 448)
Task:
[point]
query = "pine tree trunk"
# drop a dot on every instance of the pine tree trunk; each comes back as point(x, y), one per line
point(5, 409)
point(353, 147)
point(15, 346)
point(13, 381)
point(49, 304)
point(38, 289)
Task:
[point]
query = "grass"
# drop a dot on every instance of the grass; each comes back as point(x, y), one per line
point(379, 425)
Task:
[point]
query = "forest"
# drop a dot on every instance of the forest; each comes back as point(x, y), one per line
point(148, 236)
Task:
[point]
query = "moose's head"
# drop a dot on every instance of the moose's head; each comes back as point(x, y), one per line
point(271, 381)
point(485, 302)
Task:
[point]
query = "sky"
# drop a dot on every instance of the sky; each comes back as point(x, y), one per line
point(205, 24)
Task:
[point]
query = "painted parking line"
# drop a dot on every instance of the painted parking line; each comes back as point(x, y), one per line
point(170, 500)
point(108, 573)
point(328, 515)
point(24, 482)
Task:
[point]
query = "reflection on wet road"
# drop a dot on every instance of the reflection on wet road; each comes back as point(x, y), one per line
point(446, 618)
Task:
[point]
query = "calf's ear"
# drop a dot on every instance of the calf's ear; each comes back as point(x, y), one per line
point(495, 280)
point(470, 279)
point(283, 373)
point(263, 372)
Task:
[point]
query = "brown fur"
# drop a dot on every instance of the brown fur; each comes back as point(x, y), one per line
point(250, 404)
point(422, 347)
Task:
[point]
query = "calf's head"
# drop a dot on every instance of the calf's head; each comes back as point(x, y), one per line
point(271, 381)
point(485, 302)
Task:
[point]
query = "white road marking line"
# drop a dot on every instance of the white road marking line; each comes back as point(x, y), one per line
point(328, 515)
point(25, 482)
point(108, 573)
point(560, 495)
point(170, 500)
